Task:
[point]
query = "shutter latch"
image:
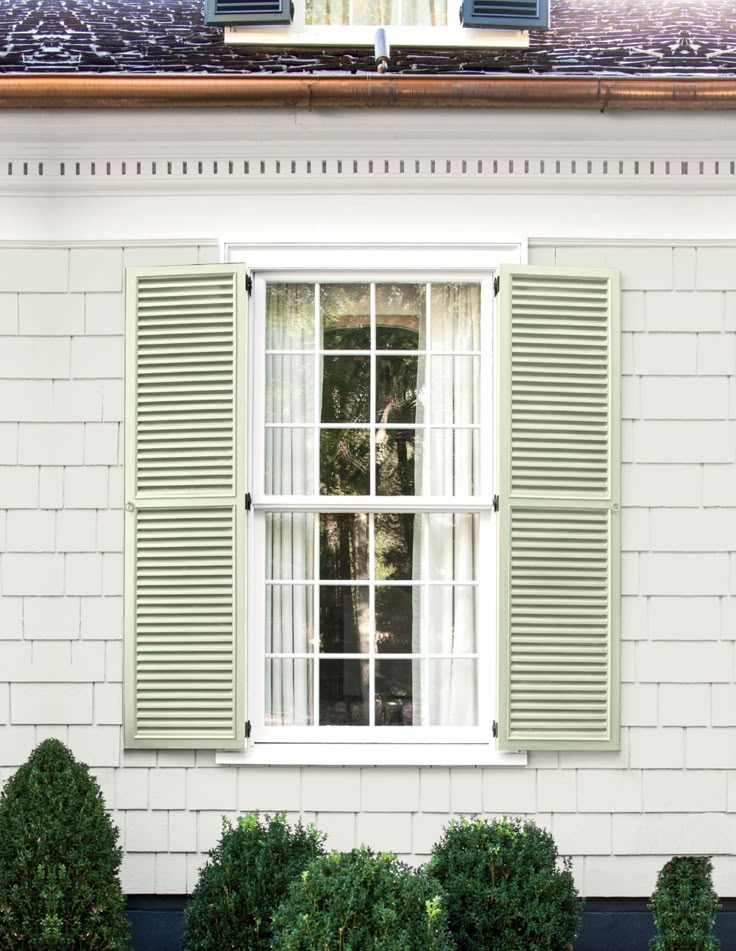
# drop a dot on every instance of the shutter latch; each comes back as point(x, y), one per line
point(248, 283)
point(494, 728)
point(248, 501)
point(247, 729)
point(496, 503)
point(496, 285)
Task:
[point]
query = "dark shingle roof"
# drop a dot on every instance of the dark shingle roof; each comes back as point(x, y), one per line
point(588, 37)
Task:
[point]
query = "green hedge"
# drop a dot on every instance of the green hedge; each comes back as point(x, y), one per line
point(59, 859)
point(684, 906)
point(360, 901)
point(505, 888)
point(244, 881)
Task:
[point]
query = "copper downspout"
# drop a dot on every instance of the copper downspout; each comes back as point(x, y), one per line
point(86, 91)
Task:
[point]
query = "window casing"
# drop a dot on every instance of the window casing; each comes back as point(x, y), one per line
point(391, 647)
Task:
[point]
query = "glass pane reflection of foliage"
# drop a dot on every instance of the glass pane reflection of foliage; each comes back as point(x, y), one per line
point(397, 389)
point(400, 316)
point(343, 546)
point(344, 462)
point(345, 316)
point(395, 533)
point(396, 461)
point(346, 389)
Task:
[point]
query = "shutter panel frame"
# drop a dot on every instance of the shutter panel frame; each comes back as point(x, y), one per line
point(193, 698)
point(248, 12)
point(545, 701)
point(506, 14)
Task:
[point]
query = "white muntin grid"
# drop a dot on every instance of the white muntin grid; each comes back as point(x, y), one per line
point(479, 504)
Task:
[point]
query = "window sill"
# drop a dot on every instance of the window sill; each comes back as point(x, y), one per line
point(434, 37)
point(369, 754)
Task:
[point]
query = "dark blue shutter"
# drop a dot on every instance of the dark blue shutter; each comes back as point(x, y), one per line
point(520, 14)
point(248, 11)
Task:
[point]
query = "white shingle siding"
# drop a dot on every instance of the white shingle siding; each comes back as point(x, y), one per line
point(671, 787)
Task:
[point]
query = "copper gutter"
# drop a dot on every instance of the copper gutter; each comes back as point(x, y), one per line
point(123, 91)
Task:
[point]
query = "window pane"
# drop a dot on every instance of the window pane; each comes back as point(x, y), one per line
point(400, 316)
point(289, 546)
point(289, 618)
point(289, 692)
point(398, 454)
point(453, 692)
point(398, 618)
point(453, 543)
point(395, 689)
point(452, 619)
point(343, 546)
point(455, 316)
point(398, 553)
point(425, 12)
point(346, 389)
point(398, 381)
point(343, 692)
point(344, 619)
point(290, 317)
point(454, 467)
point(345, 313)
point(289, 468)
point(345, 462)
point(330, 12)
point(289, 388)
point(455, 390)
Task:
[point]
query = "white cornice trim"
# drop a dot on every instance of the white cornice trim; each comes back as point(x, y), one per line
point(356, 172)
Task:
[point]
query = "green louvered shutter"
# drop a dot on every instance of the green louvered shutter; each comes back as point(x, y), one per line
point(559, 509)
point(184, 500)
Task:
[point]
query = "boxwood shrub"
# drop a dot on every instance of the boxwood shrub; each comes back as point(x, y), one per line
point(506, 887)
point(59, 859)
point(244, 880)
point(684, 906)
point(360, 901)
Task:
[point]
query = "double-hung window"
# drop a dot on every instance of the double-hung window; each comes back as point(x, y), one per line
point(373, 508)
point(371, 513)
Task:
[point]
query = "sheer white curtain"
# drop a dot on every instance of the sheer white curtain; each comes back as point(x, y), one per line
point(289, 467)
point(453, 471)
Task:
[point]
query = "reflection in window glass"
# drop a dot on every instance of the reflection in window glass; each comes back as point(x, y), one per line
point(345, 316)
point(372, 617)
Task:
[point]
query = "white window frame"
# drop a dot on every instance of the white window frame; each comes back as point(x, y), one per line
point(440, 746)
point(453, 35)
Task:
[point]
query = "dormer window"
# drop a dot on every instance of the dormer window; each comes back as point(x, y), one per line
point(436, 23)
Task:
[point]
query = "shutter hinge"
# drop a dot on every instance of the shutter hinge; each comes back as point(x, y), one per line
point(248, 501)
point(496, 285)
point(496, 503)
point(248, 283)
point(494, 728)
point(247, 729)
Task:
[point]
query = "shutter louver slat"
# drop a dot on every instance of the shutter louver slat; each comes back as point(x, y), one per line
point(185, 528)
point(558, 686)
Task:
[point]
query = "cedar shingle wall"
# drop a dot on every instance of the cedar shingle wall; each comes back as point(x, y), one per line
point(672, 788)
